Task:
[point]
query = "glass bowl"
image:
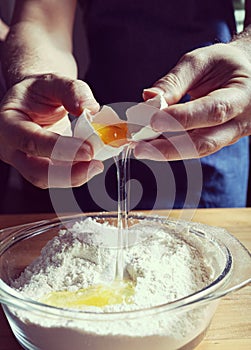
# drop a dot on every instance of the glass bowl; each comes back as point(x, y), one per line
point(180, 324)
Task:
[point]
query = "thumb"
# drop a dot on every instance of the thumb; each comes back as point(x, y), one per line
point(174, 85)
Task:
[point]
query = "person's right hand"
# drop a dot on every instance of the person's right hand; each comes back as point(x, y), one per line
point(33, 118)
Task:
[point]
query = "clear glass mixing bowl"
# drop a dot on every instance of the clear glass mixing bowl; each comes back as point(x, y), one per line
point(180, 324)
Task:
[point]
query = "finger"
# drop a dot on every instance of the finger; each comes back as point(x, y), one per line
point(174, 85)
point(214, 109)
point(175, 148)
point(30, 138)
point(73, 175)
point(62, 126)
point(81, 172)
point(197, 74)
point(73, 94)
point(42, 173)
point(189, 145)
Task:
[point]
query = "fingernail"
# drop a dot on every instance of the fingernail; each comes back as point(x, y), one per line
point(152, 92)
point(95, 168)
point(144, 150)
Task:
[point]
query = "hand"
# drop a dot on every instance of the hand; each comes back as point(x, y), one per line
point(218, 79)
point(33, 114)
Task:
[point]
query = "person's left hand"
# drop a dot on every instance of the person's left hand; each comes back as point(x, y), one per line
point(218, 80)
point(35, 131)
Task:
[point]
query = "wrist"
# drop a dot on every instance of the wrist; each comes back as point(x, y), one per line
point(242, 41)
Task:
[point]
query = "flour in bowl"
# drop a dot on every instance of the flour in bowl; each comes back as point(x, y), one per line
point(164, 265)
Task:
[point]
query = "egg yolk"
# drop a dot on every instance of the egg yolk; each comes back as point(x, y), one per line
point(115, 135)
point(100, 295)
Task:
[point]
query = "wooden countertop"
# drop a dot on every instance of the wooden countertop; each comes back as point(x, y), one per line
point(231, 325)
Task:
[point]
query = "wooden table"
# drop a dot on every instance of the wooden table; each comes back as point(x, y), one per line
point(231, 326)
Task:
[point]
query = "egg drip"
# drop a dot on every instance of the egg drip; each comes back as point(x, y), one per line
point(111, 137)
point(120, 290)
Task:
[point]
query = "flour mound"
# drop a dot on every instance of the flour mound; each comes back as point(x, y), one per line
point(163, 264)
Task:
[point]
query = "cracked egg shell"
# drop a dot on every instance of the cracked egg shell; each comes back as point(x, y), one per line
point(105, 131)
point(108, 134)
point(139, 118)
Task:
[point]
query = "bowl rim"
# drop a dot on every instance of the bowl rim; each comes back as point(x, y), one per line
point(215, 290)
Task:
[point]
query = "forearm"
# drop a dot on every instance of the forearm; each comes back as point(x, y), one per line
point(40, 40)
point(30, 50)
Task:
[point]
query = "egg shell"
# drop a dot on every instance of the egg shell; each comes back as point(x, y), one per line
point(85, 131)
point(139, 118)
point(139, 129)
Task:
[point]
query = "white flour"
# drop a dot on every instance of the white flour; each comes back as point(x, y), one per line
point(164, 267)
